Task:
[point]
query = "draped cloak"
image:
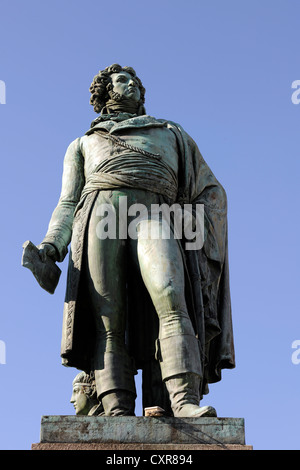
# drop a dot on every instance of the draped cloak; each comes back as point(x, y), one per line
point(206, 270)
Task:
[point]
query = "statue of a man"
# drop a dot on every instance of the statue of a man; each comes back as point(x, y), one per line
point(140, 301)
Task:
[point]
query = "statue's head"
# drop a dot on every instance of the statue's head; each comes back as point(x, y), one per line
point(84, 395)
point(117, 89)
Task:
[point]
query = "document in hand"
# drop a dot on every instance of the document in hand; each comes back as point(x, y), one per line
point(46, 273)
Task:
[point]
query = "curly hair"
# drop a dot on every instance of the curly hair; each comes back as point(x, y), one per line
point(88, 383)
point(101, 85)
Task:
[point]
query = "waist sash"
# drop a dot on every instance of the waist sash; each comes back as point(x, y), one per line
point(133, 171)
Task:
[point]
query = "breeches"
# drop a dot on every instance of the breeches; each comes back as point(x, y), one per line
point(158, 261)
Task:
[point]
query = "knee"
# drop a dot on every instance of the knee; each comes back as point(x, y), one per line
point(170, 296)
point(168, 290)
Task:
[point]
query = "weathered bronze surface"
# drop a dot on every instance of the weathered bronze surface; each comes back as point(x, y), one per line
point(47, 273)
point(134, 301)
point(84, 396)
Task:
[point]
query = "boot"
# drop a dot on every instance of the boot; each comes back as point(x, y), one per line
point(114, 377)
point(118, 403)
point(184, 395)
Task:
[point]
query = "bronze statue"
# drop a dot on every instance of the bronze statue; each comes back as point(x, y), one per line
point(84, 396)
point(141, 302)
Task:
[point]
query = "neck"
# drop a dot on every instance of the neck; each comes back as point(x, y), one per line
point(123, 106)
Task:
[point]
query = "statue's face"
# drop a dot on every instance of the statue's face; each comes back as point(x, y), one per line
point(80, 400)
point(125, 85)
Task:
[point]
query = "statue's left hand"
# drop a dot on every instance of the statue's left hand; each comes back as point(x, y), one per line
point(45, 249)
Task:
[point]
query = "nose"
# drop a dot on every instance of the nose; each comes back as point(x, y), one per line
point(131, 82)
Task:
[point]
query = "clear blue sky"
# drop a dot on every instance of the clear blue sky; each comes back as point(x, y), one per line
point(223, 70)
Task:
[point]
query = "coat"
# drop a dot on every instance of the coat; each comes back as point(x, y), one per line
point(207, 272)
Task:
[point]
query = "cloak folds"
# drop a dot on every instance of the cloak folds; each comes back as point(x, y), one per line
point(207, 278)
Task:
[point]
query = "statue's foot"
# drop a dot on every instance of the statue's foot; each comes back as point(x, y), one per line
point(194, 411)
point(119, 403)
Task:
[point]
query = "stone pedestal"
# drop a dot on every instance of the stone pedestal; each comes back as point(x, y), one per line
point(131, 433)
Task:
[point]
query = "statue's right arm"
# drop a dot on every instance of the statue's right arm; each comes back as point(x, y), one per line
point(58, 236)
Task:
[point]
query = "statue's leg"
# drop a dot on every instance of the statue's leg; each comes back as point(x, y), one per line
point(162, 270)
point(106, 283)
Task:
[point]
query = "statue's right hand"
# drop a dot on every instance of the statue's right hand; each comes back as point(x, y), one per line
point(45, 249)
